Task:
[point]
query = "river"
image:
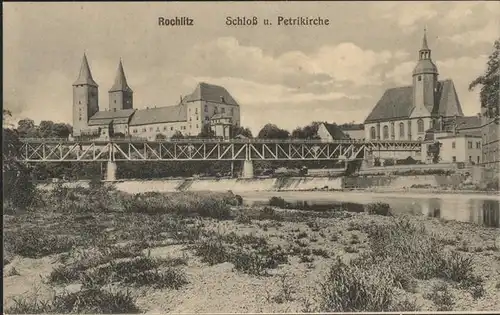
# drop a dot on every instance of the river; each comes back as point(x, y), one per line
point(480, 209)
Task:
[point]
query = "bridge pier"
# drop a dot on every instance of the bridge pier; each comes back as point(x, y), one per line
point(247, 169)
point(111, 171)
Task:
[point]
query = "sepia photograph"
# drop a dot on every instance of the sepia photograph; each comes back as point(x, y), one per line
point(251, 157)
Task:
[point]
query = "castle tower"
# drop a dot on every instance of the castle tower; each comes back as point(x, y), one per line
point(85, 98)
point(425, 77)
point(120, 94)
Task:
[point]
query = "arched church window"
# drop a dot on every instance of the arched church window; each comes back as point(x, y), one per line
point(392, 131)
point(419, 78)
point(401, 130)
point(386, 132)
point(206, 108)
point(373, 134)
point(420, 125)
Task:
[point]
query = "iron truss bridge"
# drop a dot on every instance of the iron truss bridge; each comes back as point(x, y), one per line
point(62, 150)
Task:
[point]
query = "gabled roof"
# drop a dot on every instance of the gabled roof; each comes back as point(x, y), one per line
point(105, 117)
point(335, 131)
point(120, 83)
point(211, 93)
point(397, 103)
point(85, 76)
point(159, 115)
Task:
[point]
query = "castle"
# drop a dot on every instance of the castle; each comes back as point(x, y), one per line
point(208, 104)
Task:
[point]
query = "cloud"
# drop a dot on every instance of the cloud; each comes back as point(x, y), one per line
point(407, 14)
point(226, 57)
point(402, 73)
point(253, 94)
point(488, 34)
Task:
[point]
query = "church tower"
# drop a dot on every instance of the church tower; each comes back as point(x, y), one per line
point(85, 98)
point(425, 80)
point(120, 94)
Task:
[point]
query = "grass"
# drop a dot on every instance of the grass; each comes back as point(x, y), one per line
point(85, 301)
point(102, 244)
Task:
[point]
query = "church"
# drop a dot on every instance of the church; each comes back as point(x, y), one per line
point(427, 110)
point(208, 104)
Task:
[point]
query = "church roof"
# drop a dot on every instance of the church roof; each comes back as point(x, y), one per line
point(159, 115)
point(211, 93)
point(85, 76)
point(120, 83)
point(397, 103)
point(335, 131)
point(105, 117)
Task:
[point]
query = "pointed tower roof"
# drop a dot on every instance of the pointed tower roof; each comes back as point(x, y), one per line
point(424, 41)
point(85, 76)
point(120, 80)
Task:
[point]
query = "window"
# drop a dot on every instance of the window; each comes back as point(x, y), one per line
point(215, 110)
point(223, 110)
point(373, 134)
point(157, 128)
point(134, 130)
point(478, 160)
point(196, 125)
point(392, 130)
point(115, 101)
point(79, 102)
point(420, 125)
point(144, 130)
point(454, 159)
point(80, 118)
point(206, 118)
point(190, 119)
point(196, 110)
point(164, 128)
point(206, 108)
point(197, 118)
point(419, 78)
point(171, 128)
point(470, 158)
point(453, 145)
point(401, 130)
point(190, 110)
point(150, 128)
point(470, 144)
point(478, 145)
point(386, 132)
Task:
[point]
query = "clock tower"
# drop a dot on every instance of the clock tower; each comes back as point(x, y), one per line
point(85, 98)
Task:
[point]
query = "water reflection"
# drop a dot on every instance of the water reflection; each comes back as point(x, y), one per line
point(484, 212)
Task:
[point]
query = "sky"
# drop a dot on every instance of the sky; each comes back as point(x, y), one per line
point(286, 75)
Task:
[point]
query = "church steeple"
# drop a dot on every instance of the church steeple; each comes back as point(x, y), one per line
point(425, 81)
point(85, 76)
point(120, 94)
point(120, 83)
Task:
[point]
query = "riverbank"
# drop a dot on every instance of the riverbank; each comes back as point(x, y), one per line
point(193, 252)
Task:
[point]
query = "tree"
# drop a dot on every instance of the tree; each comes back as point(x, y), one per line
point(177, 135)
point(160, 136)
point(433, 151)
point(238, 130)
point(309, 132)
point(490, 82)
point(206, 132)
point(271, 131)
point(27, 128)
point(19, 191)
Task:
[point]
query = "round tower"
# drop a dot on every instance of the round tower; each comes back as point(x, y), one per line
point(425, 79)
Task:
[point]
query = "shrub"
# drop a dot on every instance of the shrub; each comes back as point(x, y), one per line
point(379, 208)
point(277, 202)
point(352, 289)
point(268, 213)
point(88, 300)
point(441, 297)
point(212, 251)
point(35, 243)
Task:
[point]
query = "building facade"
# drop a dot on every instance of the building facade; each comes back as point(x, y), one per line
point(188, 117)
point(411, 112)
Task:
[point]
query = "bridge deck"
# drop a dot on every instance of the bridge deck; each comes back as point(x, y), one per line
point(60, 150)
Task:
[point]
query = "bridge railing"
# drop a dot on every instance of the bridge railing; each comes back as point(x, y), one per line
point(201, 140)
